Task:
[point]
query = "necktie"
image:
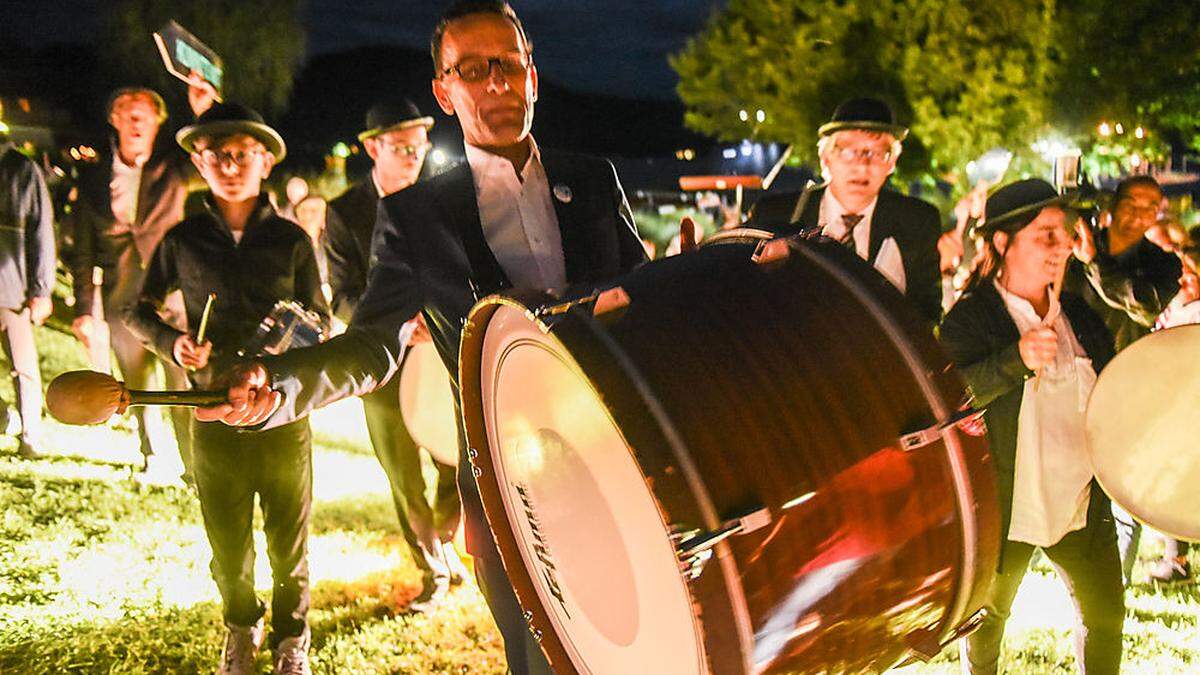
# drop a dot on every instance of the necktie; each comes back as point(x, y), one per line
point(850, 221)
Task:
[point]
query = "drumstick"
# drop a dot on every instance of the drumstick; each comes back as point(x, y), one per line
point(89, 397)
point(204, 318)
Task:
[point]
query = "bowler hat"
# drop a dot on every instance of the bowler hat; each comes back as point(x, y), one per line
point(1015, 205)
point(869, 114)
point(393, 114)
point(226, 119)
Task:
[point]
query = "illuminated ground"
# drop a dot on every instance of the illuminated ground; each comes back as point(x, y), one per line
point(98, 574)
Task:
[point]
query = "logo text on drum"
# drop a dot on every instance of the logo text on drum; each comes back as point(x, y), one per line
point(549, 571)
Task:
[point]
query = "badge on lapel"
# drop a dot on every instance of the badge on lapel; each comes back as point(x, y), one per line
point(563, 193)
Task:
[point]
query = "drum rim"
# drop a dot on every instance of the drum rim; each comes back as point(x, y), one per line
point(954, 450)
point(470, 366)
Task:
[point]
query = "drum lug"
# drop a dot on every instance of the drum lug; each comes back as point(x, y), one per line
point(600, 302)
point(932, 434)
point(695, 547)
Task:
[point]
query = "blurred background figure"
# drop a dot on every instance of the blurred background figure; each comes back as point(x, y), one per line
point(295, 191)
point(310, 216)
point(127, 201)
point(27, 262)
point(1130, 282)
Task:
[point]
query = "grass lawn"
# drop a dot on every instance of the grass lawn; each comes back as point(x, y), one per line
point(100, 574)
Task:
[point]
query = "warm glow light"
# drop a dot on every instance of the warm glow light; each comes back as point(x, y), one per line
point(340, 149)
point(437, 156)
point(761, 116)
point(1139, 132)
point(1120, 129)
point(743, 115)
point(1104, 129)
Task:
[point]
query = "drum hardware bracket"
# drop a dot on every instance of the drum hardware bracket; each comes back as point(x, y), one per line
point(924, 645)
point(696, 550)
point(600, 302)
point(932, 434)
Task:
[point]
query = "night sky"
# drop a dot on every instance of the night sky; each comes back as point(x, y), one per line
point(616, 47)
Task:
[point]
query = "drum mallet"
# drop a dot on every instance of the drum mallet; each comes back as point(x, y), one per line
point(89, 397)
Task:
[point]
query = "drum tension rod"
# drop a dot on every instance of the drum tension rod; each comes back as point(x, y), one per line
point(932, 434)
point(695, 551)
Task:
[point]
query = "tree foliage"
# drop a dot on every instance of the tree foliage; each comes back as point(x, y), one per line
point(261, 43)
point(964, 75)
point(1133, 61)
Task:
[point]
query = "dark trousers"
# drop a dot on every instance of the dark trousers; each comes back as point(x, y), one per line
point(1129, 535)
point(138, 366)
point(425, 526)
point(16, 334)
point(521, 650)
point(1087, 562)
point(231, 467)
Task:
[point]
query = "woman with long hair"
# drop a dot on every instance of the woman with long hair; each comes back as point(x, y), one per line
point(1030, 359)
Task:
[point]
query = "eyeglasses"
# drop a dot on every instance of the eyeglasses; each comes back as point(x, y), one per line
point(478, 69)
point(857, 154)
point(403, 150)
point(240, 158)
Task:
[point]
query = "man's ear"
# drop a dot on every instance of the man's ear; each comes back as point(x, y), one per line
point(371, 146)
point(443, 97)
point(268, 163)
point(533, 79)
point(197, 162)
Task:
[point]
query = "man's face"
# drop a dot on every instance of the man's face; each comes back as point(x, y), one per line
point(1137, 211)
point(135, 118)
point(234, 167)
point(858, 163)
point(1038, 250)
point(399, 154)
point(496, 110)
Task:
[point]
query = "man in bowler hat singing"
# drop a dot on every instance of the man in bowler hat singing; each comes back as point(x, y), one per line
point(896, 234)
point(396, 139)
point(514, 215)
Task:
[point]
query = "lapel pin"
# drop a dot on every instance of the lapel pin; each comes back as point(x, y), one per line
point(563, 193)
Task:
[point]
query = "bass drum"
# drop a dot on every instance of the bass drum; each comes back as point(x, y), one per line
point(1141, 430)
point(703, 470)
point(427, 403)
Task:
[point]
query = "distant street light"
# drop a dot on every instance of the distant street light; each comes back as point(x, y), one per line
point(743, 115)
point(760, 116)
point(437, 157)
point(1104, 129)
point(1139, 132)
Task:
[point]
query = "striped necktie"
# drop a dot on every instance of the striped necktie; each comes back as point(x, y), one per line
point(850, 221)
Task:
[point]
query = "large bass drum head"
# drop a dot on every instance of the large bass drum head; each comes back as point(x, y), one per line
point(586, 523)
point(1142, 422)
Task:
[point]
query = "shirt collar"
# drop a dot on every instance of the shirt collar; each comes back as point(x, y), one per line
point(834, 209)
point(1016, 303)
point(484, 163)
point(375, 181)
point(262, 210)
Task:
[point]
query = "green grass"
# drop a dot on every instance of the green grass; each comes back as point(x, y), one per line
point(101, 574)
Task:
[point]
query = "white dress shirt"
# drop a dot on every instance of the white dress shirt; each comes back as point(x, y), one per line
point(126, 181)
point(888, 261)
point(1051, 485)
point(518, 218)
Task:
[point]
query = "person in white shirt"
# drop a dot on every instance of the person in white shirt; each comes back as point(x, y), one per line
point(1030, 359)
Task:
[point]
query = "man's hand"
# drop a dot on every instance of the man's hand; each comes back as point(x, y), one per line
point(1038, 347)
point(250, 399)
point(189, 354)
point(201, 94)
point(39, 309)
point(84, 327)
point(420, 334)
point(1085, 243)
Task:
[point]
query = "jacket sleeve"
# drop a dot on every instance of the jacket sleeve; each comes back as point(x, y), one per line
point(370, 351)
point(989, 372)
point(1142, 298)
point(84, 256)
point(924, 285)
point(345, 277)
point(38, 215)
point(142, 316)
point(629, 243)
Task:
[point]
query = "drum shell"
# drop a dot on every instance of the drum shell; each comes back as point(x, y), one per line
point(744, 386)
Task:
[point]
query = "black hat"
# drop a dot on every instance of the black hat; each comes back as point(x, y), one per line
point(869, 114)
point(393, 114)
point(1015, 205)
point(226, 119)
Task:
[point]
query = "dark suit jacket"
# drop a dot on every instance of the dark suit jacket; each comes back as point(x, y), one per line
point(915, 224)
point(430, 256)
point(161, 195)
point(27, 256)
point(980, 338)
point(349, 224)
